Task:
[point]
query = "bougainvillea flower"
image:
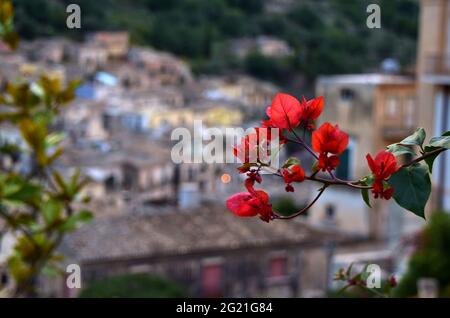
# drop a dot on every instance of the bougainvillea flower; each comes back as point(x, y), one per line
point(247, 150)
point(256, 147)
point(327, 162)
point(383, 166)
point(294, 173)
point(252, 176)
point(329, 139)
point(246, 204)
point(310, 111)
point(381, 190)
point(269, 124)
point(284, 112)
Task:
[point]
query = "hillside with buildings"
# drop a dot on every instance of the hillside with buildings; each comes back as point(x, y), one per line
point(289, 41)
point(150, 68)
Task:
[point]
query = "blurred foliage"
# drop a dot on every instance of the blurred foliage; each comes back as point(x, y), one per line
point(7, 33)
point(36, 201)
point(328, 36)
point(287, 206)
point(355, 285)
point(133, 286)
point(432, 258)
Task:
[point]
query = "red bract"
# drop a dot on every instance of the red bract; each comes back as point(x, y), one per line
point(245, 204)
point(292, 174)
point(392, 281)
point(247, 151)
point(284, 112)
point(250, 181)
point(310, 111)
point(329, 139)
point(380, 191)
point(383, 166)
point(256, 147)
point(327, 162)
point(270, 125)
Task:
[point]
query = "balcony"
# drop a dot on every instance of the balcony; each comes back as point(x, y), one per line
point(437, 69)
point(398, 115)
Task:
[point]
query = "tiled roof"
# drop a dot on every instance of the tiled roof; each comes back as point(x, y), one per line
point(178, 233)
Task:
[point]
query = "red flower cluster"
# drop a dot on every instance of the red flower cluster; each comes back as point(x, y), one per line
point(311, 110)
point(328, 142)
point(247, 204)
point(286, 112)
point(294, 173)
point(329, 139)
point(383, 166)
point(255, 147)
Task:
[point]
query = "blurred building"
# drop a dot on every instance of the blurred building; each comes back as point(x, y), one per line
point(264, 45)
point(252, 96)
point(116, 44)
point(376, 110)
point(209, 251)
point(169, 69)
point(433, 71)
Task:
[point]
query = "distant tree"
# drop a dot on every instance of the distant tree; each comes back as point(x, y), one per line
point(329, 36)
point(268, 68)
point(432, 258)
point(287, 205)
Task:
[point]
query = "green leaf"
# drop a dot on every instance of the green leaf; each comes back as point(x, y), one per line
point(415, 139)
point(412, 188)
point(51, 210)
point(16, 190)
point(436, 140)
point(398, 150)
point(430, 160)
point(441, 142)
point(365, 273)
point(365, 196)
point(53, 139)
point(72, 222)
point(291, 162)
point(367, 181)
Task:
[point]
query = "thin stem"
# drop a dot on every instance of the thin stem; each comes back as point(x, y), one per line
point(277, 216)
point(10, 220)
point(336, 181)
point(301, 142)
point(353, 184)
point(423, 157)
point(328, 182)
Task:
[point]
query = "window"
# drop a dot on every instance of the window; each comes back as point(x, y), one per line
point(330, 212)
point(344, 170)
point(212, 280)
point(347, 95)
point(191, 173)
point(391, 107)
point(278, 266)
point(409, 112)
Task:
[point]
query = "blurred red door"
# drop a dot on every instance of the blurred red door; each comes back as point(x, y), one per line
point(212, 280)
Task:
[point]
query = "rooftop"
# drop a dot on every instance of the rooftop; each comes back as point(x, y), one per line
point(182, 233)
point(365, 79)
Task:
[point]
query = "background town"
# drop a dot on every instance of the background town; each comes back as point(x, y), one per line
point(152, 66)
